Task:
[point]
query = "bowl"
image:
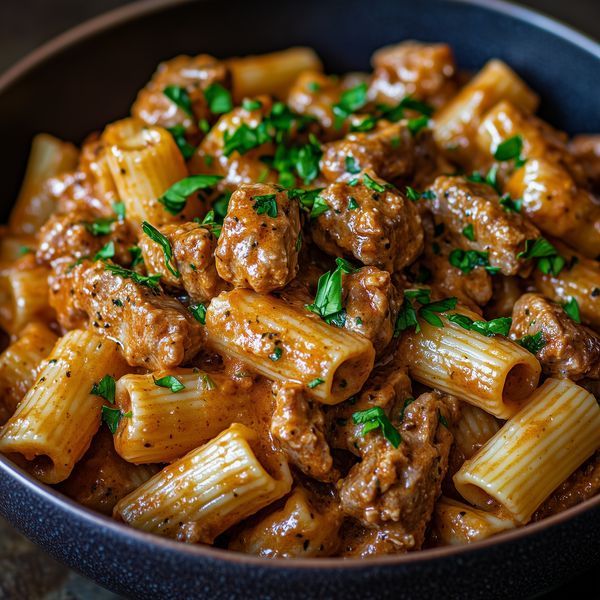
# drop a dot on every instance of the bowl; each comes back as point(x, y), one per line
point(88, 77)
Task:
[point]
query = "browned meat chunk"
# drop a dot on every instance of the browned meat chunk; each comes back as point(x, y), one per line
point(193, 248)
point(80, 234)
point(388, 150)
point(370, 221)
point(371, 303)
point(571, 350)
point(475, 207)
point(193, 74)
point(237, 163)
point(396, 488)
point(586, 150)
point(580, 486)
point(155, 330)
point(425, 71)
point(298, 425)
point(258, 247)
point(101, 478)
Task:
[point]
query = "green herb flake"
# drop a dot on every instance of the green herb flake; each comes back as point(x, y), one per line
point(119, 210)
point(509, 149)
point(178, 134)
point(533, 343)
point(151, 281)
point(250, 105)
point(442, 420)
point(163, 242)
point(175, 198)
point(107, 251)
point(467, 260)
point(352, 203)
point(105, 388)
point(549, 261)
point(179, 96)
point(23, 250)
point(350, 101)
point(112, 417)
point(99, 227)
point(375, 418)
point(218, 99)
point(510, 205)
point(199, 312)
point(469, 232)
point(266, 204)
point(315, 382)
point(208, 382)
point(372, 184)
point(416, 125)
point(351, 165)
point(572, 309)
point(499, 326)
point(136, 256)
point(276, 354)
point(313, 86)
point(169, 382)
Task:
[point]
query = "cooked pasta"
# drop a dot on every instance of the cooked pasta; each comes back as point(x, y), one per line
point(282, 312)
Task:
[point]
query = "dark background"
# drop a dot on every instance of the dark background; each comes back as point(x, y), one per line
point(25, 24)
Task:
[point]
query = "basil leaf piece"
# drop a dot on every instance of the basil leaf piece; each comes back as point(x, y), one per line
point(164, 243)
point(119, 210)
point(467, 260)
point(175, 198)
point(510, 205)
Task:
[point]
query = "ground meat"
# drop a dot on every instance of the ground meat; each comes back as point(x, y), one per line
point(461, 204)
point(235, 168)
point(586, 150)
point(388, 150)
point(73, 236)
point(259, 251)
point(571, 350)
point(371, 303)
point(398, 487)
point(155, 330)
point(580, 486)
point(194, 75)
point(298, 424)
point(425, 71)
point(193, 248)
point(380, 228)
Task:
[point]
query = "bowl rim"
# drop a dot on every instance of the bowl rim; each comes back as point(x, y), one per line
point(141, 8)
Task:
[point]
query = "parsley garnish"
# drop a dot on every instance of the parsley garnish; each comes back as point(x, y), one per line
point(179, 96)
point(416, 105)
point(352, 203)
point(151, 281)
point(313, 86)
point(533, 343)
point(415, 125)
point(107, 251)
point(266, 204)
point(178, 133)
point(490, 179)
point(276, 354)
point(105, 388)
point(100, 227)
point(510, 149)
point(375, 418)
point(429, 311)
point(310, 201)
point(328, 299)
point(175, 198)
point(136, 256)
point(119, 209)
point(249, 105)
point(407, 402)
point(371, 183)
point(164, 243)
point(315, 382)
point(211, 221)
point(572, 309)
point(350, 101)
point(415, 196)
point(510, 205)
point(549, 260)
point(112, 417)
point(467, 260)
point(351, 165)
point(170, 382)
point(469, 232)
point(500, 326)
point(218, 98)
point(442, 420)
point(199, 312)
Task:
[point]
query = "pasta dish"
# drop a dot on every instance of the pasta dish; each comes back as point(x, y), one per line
point(302, 315)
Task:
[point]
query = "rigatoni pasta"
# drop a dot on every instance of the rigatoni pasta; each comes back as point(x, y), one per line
point(208, 490)
point(534, 451)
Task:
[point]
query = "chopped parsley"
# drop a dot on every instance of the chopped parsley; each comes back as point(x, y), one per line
point(375, 418)
point(499, 326)
point(469, 232)
point(178, 134)
point(442, 420)
point(214, 223)
point(179, 95)
point(266, 204)
point(23, 250)
point(428, 311)
point(533, 343)
point(218, 99)
point(310, 201)
point(163, 242)
point(102, 226)
point(510, 149)
point(315, 382)
point(151, 281)
point(175, 198)
point(105, 388)
point(490, 179)
point(415, 125)
point(352, 203)
point(107, 251)
point(407, 402)
point(415, 196)
point(350, 101)
point(112, 417)
point(510, 205)
point(467, 260)
point(199, 312)
point(136, 256)
point(572, 309)
point(351, 165)
point(372, 184)
point(170, 382)
point(119, 210)
point(249, 105)
point(549, 260)
point(276, 354)
point(313, 86)
point(328, 299)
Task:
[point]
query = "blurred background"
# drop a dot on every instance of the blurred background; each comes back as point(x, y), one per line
point(26, 573)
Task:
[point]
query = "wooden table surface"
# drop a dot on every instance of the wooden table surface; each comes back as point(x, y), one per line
point(27, 573)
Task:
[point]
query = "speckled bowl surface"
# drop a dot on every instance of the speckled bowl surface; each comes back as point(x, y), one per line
point(89, 76)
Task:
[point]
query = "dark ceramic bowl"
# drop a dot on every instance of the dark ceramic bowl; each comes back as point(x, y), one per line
point(89, 76)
